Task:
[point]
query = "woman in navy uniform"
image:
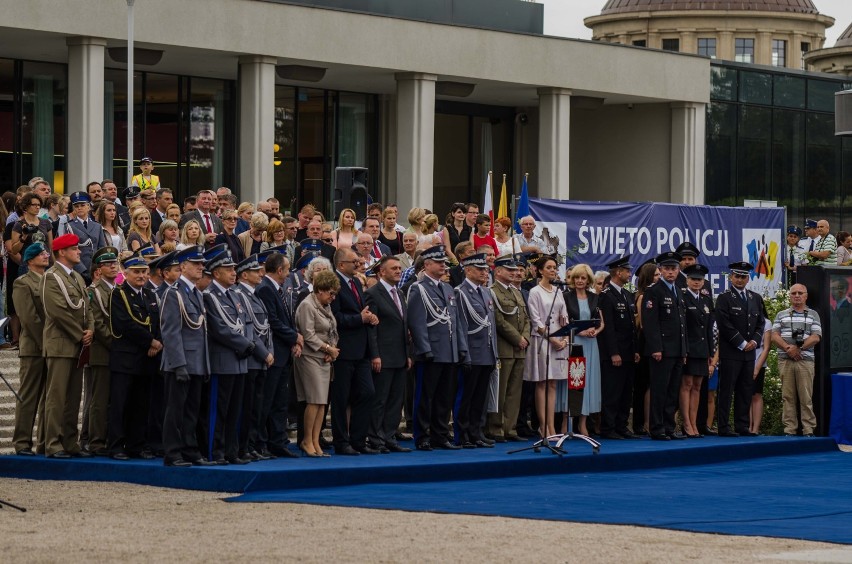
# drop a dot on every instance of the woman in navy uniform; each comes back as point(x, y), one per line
point(700, 358)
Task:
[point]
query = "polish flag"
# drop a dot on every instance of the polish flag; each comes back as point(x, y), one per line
point(488, 207)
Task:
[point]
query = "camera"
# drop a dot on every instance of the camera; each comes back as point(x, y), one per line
point(799, 337)
point(27, 229)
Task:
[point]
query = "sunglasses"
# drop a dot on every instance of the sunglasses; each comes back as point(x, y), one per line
point(328, 241)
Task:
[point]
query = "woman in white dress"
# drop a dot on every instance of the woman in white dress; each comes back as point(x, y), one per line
point(542, 297)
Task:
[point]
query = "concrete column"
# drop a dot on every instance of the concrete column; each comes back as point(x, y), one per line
point(654, 40)
point(725, 46)
point(85, 152)
point(415, 140)
point(554, 141)
point(763, 48)
point(257, 127)
point(387, 149)
point(794, 52)
point(688, 42)
point(687, 153)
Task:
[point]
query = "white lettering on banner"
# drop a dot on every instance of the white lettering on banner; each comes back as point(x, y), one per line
point(622, 240)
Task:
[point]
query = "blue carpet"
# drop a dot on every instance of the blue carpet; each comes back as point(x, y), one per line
point(805, 496)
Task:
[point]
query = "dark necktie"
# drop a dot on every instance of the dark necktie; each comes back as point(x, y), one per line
point(792, 257)
point(744, 298)
point(86, 224)
point(355, 291)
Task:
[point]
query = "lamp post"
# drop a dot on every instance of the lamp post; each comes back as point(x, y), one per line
point(129, 91)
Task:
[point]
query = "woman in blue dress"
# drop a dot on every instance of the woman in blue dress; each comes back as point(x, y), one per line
point(581, 303)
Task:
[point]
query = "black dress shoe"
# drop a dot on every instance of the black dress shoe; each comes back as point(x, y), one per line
point(404, 436)
point(147, 455)
point(202, 462)
point(660, 437)
point(180, 463)
point(60, 454)
point(483, 444)
point(747, 434)
point(383, 449)
point(324, 444)
point(25, 452)
point(809, 435)
point(284, 453)
point(82, 454)
point(468, 444)
point(266, 455)
point(515, 439)
point(397, 448)
point(367, 450)
point(487, 441)
point(614, 436)
point(100, 452)
point(347, 450)
point(220, 462)
point(728, 434)
point(628, 435)
point(238, 461)
point(446, 445)
point(709, 433)
point(641, 433)
point(676, 436)
point(119, 456)
point(425, 446)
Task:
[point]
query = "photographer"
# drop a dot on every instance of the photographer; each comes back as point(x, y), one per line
point(30, 228)
point(795, 332)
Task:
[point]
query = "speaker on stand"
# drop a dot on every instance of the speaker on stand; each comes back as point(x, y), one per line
point(350, 190)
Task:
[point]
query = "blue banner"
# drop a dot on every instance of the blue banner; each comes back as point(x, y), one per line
point(596, 233)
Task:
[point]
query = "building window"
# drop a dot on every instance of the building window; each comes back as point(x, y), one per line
point(639, 43)
point(671, 44)
point(707, 47)
point(744, 50)
point(805, 47)
point(779, 53)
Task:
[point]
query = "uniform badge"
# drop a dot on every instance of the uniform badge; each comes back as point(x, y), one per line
point(706, 309)
point(649, 304)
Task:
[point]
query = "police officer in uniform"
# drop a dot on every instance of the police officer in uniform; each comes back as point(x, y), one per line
point(618, 351)
point(258, 331)
point(664, 324)
point(68, 333)
point(105, 263)
point(476, 317)
point(740, 319)
point(438, 346)
point(133, 362)
point(26, 293)
point(89, 232)
point(513, 331)
point(700, 350)
point(185, 361)
point(689, 256)
point(229, 350)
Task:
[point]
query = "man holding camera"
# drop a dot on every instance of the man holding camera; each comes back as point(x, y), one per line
point(795, 332)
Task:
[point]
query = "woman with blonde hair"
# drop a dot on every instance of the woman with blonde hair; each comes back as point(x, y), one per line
point(429, 231)
point(173, 213)
point(415, 218)
point(140, 230)
point(168, 233)
point(191, 234)
point(345, 235)
point(252, 239)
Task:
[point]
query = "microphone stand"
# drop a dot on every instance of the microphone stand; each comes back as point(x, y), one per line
point(544, 442)
point(596, 446)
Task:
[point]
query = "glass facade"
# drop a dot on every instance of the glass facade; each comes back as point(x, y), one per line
point(315, 132)
point(770, 136)
point(32, 122)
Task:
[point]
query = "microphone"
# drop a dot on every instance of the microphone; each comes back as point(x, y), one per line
point(559, 283)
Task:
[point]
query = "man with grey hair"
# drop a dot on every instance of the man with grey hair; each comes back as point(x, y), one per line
point(222, 191)
point(527, 240)
point(363, 247)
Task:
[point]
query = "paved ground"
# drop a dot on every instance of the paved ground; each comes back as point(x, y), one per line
point(85, 521)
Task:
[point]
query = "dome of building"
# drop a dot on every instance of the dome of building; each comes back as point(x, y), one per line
point(845, 38)
point(789, 6)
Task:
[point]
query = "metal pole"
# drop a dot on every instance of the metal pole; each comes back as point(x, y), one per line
point(129, 91)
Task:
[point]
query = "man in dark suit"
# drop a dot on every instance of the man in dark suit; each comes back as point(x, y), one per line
point(164, 199)
point(185, 361)
point(462, 250)
point(390, 339)
point(617, 351)
point(273, 392)
point(438, 345)
point(476, 316)
point(133, 359)
point(353, 385)
point(739, 315)
point(688, 256)
point(205, 215)
point(664, 324)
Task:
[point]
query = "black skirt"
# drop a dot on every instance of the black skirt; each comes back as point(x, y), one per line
point(696, 367)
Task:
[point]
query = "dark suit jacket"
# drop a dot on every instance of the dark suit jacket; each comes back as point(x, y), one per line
point(354, 342)
point(456, 275)
point(619, 334)
point(156, 221)
point(196, 215)
point(390, 337)
point(699, 325)
point(284, 335)
point(129, 349)
point(738, 323)
point(664, 321)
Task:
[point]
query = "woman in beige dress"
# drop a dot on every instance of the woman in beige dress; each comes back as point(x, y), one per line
point(317, 326)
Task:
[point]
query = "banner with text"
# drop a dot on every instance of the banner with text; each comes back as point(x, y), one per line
point(597, 233)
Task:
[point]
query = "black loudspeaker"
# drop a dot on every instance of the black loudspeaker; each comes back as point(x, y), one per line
point(843, 113)
point(350, 190)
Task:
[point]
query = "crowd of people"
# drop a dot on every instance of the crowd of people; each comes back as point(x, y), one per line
point(203, 333)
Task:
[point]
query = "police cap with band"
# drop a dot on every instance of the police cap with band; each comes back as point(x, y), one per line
point(794, 230)
point(810, 224)
point(435, 253)
point(687, 249)
point(165, 261)
point(742, 268)
point(131, 192)
point(105, 254)
point(623, 262)
point(251, 263)
point(670, 258)
point(80, 198)
point(477, 260)
point(506, 261)
point(134, 261)
point(194, 253)
point(696, 271)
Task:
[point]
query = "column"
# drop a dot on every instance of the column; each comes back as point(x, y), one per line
point(688, 42)
point(415, 140)
point(387, 149)
point(256, 178)
point(687, 153)
point(794, 52)
point(763, 48)
point(725, 46)
point(85, 152)
point(554, 136)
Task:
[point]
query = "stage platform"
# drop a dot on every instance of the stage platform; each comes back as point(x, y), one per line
point(417, 467)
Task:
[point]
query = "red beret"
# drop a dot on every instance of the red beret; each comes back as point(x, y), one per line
point(65, 241)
